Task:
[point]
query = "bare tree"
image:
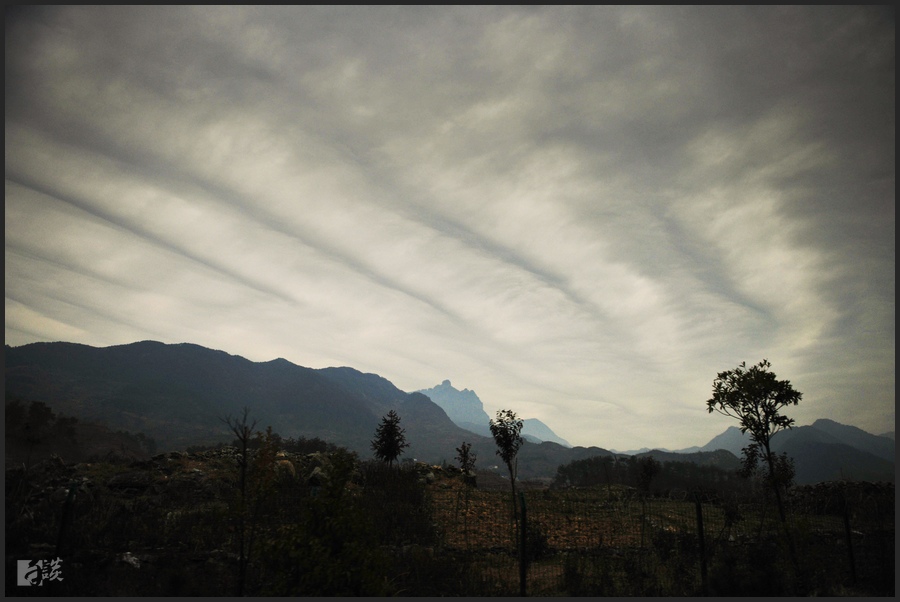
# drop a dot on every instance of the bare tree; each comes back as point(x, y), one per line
point(243, 431)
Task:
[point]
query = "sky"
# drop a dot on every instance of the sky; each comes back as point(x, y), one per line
point(583, 214)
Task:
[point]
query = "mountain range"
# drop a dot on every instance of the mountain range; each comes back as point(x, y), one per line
point(466, 410)
point(180, 395)
point(823, 451)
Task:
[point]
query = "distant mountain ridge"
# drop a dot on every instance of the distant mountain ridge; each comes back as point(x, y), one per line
point(462, 406)
point(466, 410)
point(719, 458)
point(178, 394)
point(823, 451)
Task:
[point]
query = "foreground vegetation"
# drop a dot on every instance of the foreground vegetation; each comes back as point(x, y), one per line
point(269, 516)
point(318, 521)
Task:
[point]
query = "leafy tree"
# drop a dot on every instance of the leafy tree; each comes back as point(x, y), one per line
point(308, 446)
point(755, 397)
point(507, 433)
point(390, 440)
point(466, 458)
point(15, 416)
point(37, 425)
point(648, 467)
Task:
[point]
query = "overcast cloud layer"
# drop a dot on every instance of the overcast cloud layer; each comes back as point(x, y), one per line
point(582, 214)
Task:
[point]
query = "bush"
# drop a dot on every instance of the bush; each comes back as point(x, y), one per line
point(397, 503)
point(331, 550)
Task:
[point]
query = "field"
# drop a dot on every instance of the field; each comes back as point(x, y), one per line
point(616, 541)
point(181, 524)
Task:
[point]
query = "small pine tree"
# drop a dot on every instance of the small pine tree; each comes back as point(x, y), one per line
point(466, 458)
point(390, 440)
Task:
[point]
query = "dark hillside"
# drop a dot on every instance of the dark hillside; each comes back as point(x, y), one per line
point(820, 462)
point(177, 394)
point(719, 458)
point(880, 446)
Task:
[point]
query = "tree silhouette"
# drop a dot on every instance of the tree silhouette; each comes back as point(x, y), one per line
point(755, 397)
point(648, 467)
point(466, 458)
point(390, 440)
point(507, 432)
point(243, 430)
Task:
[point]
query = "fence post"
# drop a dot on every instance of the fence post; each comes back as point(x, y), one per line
point(703, 574)
point(849, 534)
point(643, 519)
point(523, 556)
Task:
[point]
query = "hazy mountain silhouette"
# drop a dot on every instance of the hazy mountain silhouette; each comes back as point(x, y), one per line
point(732, 440)
point(880, 446)
point(463, 407)
point(825, 450)
point(466, 410)
point(178, 394)
point(817, 458)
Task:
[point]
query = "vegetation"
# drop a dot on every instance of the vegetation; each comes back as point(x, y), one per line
point(648, 468)
point(466, 458)
point(299, 445)
point(755, 397)
point(243, 430)
point(390, 439)
point(33, 432)
point(674, 479)
point(173, 525)
point(507, 433)
point(271, 516)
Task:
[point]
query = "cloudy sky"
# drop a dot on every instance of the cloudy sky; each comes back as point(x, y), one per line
point(582, 214)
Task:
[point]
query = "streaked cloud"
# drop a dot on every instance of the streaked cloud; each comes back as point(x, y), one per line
point(581, 213)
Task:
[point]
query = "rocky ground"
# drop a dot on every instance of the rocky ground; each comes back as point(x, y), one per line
point(125, 524)
point(161, 526)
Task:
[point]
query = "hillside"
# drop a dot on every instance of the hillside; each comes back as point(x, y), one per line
point(719, 458)
point(179, 394)
point(825, 450)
